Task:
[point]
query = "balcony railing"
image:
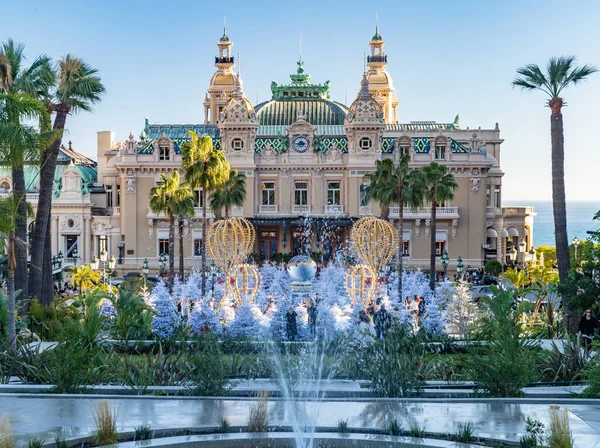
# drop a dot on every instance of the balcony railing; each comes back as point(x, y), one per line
point(224, 60)
point(365, 210)
point(268, 209)
point(517, 210)
point(425, 212)
point(299, 209)
point(377, 58)
point(334, 209)
point(197, 214)
point(492, 211)
point(29, 197)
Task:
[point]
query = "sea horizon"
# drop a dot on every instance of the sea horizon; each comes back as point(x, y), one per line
point(580, 215)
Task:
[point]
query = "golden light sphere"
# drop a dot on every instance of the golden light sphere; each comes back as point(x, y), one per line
point(230, 241)
point(243, 282)
point(360, 284)
point(375, 241)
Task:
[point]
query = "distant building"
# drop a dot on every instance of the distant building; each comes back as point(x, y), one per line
point(305, 157)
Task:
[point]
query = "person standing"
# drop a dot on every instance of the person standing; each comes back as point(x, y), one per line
point(291, 326)
point(311, 310)
point(587, 327)
point(382, 322)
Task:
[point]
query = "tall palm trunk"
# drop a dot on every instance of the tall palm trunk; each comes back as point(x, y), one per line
point(47, 293)
point(181, 266)
point(42, 218)
point(203, 262)
point(432, 231)
point(19, 191)
point(400, 240)
point(226, 212)
point(171, 251)
point(12, 332)
point(559, 206)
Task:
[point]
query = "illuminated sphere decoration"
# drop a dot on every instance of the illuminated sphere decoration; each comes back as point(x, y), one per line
point(230, 241)
point(374, 240)
point(244, 281)
point(302, 269)
point(361, 283)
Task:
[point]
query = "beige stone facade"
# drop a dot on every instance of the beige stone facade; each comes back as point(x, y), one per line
point(305, 158)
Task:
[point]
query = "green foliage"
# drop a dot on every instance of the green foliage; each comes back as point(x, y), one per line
point(105, 419)
point(143, 432)
point(394, 428)
point(342, 426)
point(493, 267)
point(565, 363)
point(549, 255)
point(258, 419)
point(506, 363)
point(417, 430)
point(134, 316)
point(225, 426)
point(92, 322)
point(60, 442)
point(560, 432)
point(35, 443)
point(591, 376)
point(208, 377)
point(392, 364)
point(230, 193)
point(535, 434)
point(464, 432)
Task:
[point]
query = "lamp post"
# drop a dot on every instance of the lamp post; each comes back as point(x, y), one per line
point(445, 261)
point(104, 261)
point(459, 267)
point(575, 243)
point(121, 246)
point(145, 270)
point(162, 263)
point(59, 259)
point(74, 254)
point(485, 248)
point(522, 252)
point(512, 253)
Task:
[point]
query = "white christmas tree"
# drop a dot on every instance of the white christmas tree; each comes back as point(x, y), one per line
point(341, 316)
point(167, 318)
point(280, 283)
point(204, 318)
point(192, 291)
point(302, 322)
point(267, 274)
point(326, 322)
point(246, 323)
point(279, 320)
point(433, 322)
point(330, 284)
point(226, 311)
point(462, 312)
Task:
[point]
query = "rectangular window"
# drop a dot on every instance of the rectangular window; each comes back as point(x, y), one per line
point(488, 196)
point(164, 153)
point(405, 248)
point(163, 246)
point(268, 192)
point(109, 196)
point(197, 247)
point(118, 195)
point(198, 198)
point(404, 150)
point(497, 196)
point(101, 245)
point(301, 193)
point(334, 193)
point(440, 247)
point(440, 152)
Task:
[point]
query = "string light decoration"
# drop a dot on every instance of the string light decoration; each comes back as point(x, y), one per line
point(360, 284)
point(244, 281)
point(230, 241)
point(375, 241)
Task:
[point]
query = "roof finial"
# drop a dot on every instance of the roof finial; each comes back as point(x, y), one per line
point(300, 46)
point(376, 23)
point(365, 64)
point(224, 25)
point(70, 145)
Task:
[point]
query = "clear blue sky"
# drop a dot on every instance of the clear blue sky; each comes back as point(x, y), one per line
point(445, 57)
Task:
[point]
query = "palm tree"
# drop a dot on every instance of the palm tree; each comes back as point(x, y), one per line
point(167, 197)
point(230, 193)
point(205, 168)
point(560, 73)
point(78, 88)
point(184, 208)
point(85, 277)
point(439, 187)
point(397, 184)
point(34, 80)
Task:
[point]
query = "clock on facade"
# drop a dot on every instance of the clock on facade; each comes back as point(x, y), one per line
point(300, 143)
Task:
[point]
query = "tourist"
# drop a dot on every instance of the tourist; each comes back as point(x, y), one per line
point(379, 299)
point(291, 326)
point(587, 327)
point(407, 303)
point(312, 319)
point(421, 307)
point(414, 308)
point(365, 329)
point(382, 322)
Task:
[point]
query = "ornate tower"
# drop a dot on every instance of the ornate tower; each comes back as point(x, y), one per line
point(380, 82)
point(223, 82)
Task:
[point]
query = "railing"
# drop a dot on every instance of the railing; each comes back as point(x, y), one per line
point(224, 60)
point(334, 209)
point(365, 210)
point(267, 209)
point(492, 211)
point(517, 210)
point(377, 58)
point(425, 212)
point(29, 197)
point(300, 209)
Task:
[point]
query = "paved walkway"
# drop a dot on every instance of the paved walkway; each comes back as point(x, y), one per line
point(71, 416)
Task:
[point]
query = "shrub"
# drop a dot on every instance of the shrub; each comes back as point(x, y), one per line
point(143, 432)
point(69, 366)
point(258, 419)
point(60, 442)
point(535, 434)
point(134, 317)
point(105, 420)
point(393, 364)
point(563, 365)
point(493, 267)
point(225, 426)
point(560, 431)
point(416, 430)
point(35, 443)
point(207, 373)
point(394, 428)
point(464, 432)
point(504, 365)
point(7, 440)
point(342, 426)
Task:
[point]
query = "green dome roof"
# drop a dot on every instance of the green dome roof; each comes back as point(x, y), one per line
point(286, 111)
point(377, 36)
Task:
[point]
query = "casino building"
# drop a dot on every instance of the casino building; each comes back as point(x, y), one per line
point(305, 156)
